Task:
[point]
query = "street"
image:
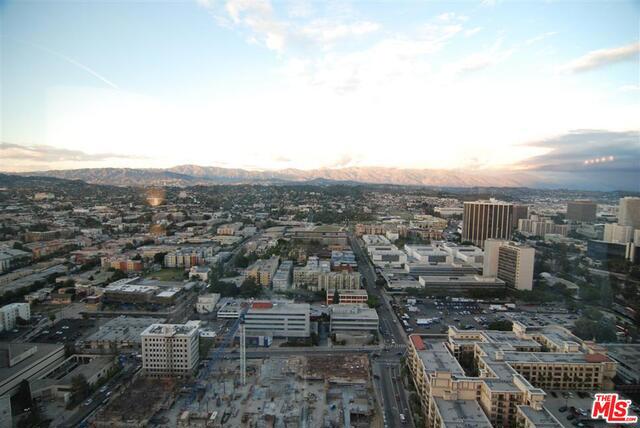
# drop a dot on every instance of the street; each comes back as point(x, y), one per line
point(386, 368)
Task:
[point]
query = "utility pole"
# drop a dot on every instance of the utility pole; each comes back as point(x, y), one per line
point(243, 354)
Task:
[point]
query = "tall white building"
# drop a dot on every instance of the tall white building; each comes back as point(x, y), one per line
point(278, 319)
point(629, 212)
point(170, 349)
point(617, 233)
point(10, 313)
point(509, 262)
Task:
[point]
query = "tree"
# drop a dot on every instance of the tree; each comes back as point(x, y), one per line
point(159, 257)
point(373, 302)
point(52, 317)
point(503, 325)
point(336, 297)
point(249, 288)
point(118, 274)
point(79, 388)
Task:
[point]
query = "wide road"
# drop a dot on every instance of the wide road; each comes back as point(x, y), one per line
point(386, 368)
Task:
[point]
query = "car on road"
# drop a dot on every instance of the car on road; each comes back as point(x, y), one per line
point(88, 402)
point(103, 389)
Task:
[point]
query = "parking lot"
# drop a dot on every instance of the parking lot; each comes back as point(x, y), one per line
point(433, 316)
point(573, 409)
point(66, 331)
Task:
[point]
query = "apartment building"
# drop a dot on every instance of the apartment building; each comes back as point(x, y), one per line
point(332, 280)
point(10, 313)
point(188, 256)
point(484, 220)
point(307, 276)
point(513, 369)
point(278, 319)
point(122, 263)
point(170, 349)
point(230, 229)
point(541, 227)
point(263, 271)
point(282, 278)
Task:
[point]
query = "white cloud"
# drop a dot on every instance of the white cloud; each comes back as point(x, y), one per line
point(602, 57)
point(472, 31)
point(540, 37)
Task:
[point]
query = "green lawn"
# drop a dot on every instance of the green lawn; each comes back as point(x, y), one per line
point(167, 275)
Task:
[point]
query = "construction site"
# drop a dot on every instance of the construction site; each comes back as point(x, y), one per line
point(280, 392)
point(137, 403)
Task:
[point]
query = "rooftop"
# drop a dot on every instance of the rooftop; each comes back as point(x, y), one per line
point(462, 414)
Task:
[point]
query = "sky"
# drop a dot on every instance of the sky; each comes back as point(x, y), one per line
point(262, 84)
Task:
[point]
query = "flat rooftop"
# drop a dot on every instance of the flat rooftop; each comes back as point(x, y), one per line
point(462, 414)
point(164, 330)
point(436, 357)
point(122, 329)
point(540, 418)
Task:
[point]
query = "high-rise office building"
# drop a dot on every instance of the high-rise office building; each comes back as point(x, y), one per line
point(629, 212)
point(581, 211)
point(510, 262)
point(519, 212)
point(484, 220)
point(617, 233)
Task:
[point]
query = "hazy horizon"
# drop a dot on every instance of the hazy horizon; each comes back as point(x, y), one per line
point(484, 87)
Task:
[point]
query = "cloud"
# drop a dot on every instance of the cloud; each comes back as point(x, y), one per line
point(601, 58)
point(472, 31)
point(259, 19)
point(568, 152)
point(540, 37)
point(481, 60)
point(46, 154)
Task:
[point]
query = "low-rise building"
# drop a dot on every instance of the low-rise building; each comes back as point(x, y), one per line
point(207, 302)
point(120, 334)
point(347, 297)
point(278, 319)
point(460, 284)
point(200, 272)
point(11, 259)
point(353, 319)
point(26, 361)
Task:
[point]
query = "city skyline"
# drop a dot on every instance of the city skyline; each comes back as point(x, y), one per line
point(485, 86)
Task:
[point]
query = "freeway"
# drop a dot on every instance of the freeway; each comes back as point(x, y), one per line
point(387, 376)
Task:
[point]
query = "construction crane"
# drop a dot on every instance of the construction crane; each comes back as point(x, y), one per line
point(218, 351)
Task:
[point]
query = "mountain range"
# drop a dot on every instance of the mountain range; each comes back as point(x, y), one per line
point(190, 175)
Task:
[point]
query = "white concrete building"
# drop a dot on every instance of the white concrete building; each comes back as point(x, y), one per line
point(278, 319)
point(170, 349)
point(353, 319)
point(207, 302)
point(10, 313)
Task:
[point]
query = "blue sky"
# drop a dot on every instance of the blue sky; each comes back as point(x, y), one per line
point(260, 84)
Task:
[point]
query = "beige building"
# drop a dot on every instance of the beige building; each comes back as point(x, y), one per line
point(484, 220)
point(510, 262)
point(617, 233)
point(629, 212)
point(342, 280)
point(511, 369)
